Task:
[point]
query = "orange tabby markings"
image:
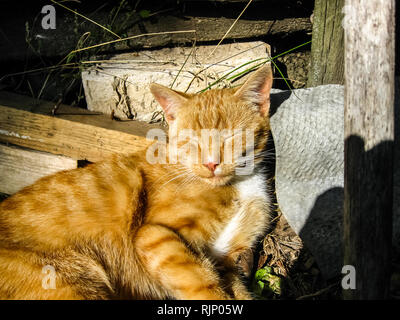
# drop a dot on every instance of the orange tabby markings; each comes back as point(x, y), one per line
point(125, 228)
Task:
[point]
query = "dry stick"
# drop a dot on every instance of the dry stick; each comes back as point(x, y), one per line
point(229, 30)
point(82, 16)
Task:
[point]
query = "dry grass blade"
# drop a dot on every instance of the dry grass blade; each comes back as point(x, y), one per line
point(86, 18)
point(230, 28)
point(196, 75)
point(183, 65)
point(130, 38)
point(72, 64)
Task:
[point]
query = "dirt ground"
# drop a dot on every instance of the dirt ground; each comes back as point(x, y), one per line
point(284, 256)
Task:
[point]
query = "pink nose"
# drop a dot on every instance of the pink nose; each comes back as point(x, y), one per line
point(211, 166)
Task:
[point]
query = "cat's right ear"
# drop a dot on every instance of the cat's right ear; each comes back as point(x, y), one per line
point(170, 100)
point(257, 88)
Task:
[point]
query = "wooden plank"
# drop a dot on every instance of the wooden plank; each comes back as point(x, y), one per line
point(72, 132)
point(21, 167)
point(54, 43)
point(212, 29)
point(369, 138)
point(327, 49)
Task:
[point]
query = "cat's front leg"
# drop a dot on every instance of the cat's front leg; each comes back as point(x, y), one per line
point(167, 258)
point(253, 220)
point(233, 281)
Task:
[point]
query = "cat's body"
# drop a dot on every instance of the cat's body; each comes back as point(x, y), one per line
point(125, 228)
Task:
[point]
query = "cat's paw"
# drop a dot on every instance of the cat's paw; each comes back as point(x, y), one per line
point(239, 290)
point(244, 296)
point(245, 262)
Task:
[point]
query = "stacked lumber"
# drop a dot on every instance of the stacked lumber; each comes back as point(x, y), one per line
point(56, 142)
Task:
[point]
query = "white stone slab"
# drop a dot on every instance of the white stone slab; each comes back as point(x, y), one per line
point(122, 83)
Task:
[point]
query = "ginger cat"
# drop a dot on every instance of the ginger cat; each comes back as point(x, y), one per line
point(127, 228)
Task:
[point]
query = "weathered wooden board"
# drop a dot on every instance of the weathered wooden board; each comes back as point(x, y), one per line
point(53, 42)
point(20, 167)
point(369, 145)
point(327, 52)
point(72, 132)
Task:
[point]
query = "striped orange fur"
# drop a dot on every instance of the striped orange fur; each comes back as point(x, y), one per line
point(125, 228)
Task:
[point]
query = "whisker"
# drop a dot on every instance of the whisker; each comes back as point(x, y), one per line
point(178, 176)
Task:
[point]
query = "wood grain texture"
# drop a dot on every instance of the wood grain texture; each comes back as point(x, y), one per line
point(73, 132)
point(327, 49)
point(207, 29)
point(21, 167)
point(369, 139)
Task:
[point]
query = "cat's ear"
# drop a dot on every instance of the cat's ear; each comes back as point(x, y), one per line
point(256, 89)
point(170, 100)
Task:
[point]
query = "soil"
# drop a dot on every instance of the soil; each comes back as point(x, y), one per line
point(283, 251)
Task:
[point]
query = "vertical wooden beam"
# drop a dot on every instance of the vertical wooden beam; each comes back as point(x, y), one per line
point(369, 27)
point(327, 49)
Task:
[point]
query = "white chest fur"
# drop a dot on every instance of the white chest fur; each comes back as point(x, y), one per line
point(249, 189)
point(254, 186)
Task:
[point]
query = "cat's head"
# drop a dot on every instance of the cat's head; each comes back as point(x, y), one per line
point(220, 133)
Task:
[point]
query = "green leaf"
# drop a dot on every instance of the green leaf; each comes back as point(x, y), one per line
point(266, 283)
point(259, 287)
point(260, 274)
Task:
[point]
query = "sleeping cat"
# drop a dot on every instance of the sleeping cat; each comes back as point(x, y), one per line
point(127, 228)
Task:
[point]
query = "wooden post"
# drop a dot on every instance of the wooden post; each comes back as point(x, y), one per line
point(369, 27)
point(327, 49)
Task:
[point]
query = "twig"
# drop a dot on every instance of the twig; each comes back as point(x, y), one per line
point(56, 106)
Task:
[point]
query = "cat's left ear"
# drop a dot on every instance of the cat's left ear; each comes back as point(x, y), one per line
point(170, 100)
point(257, 88)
